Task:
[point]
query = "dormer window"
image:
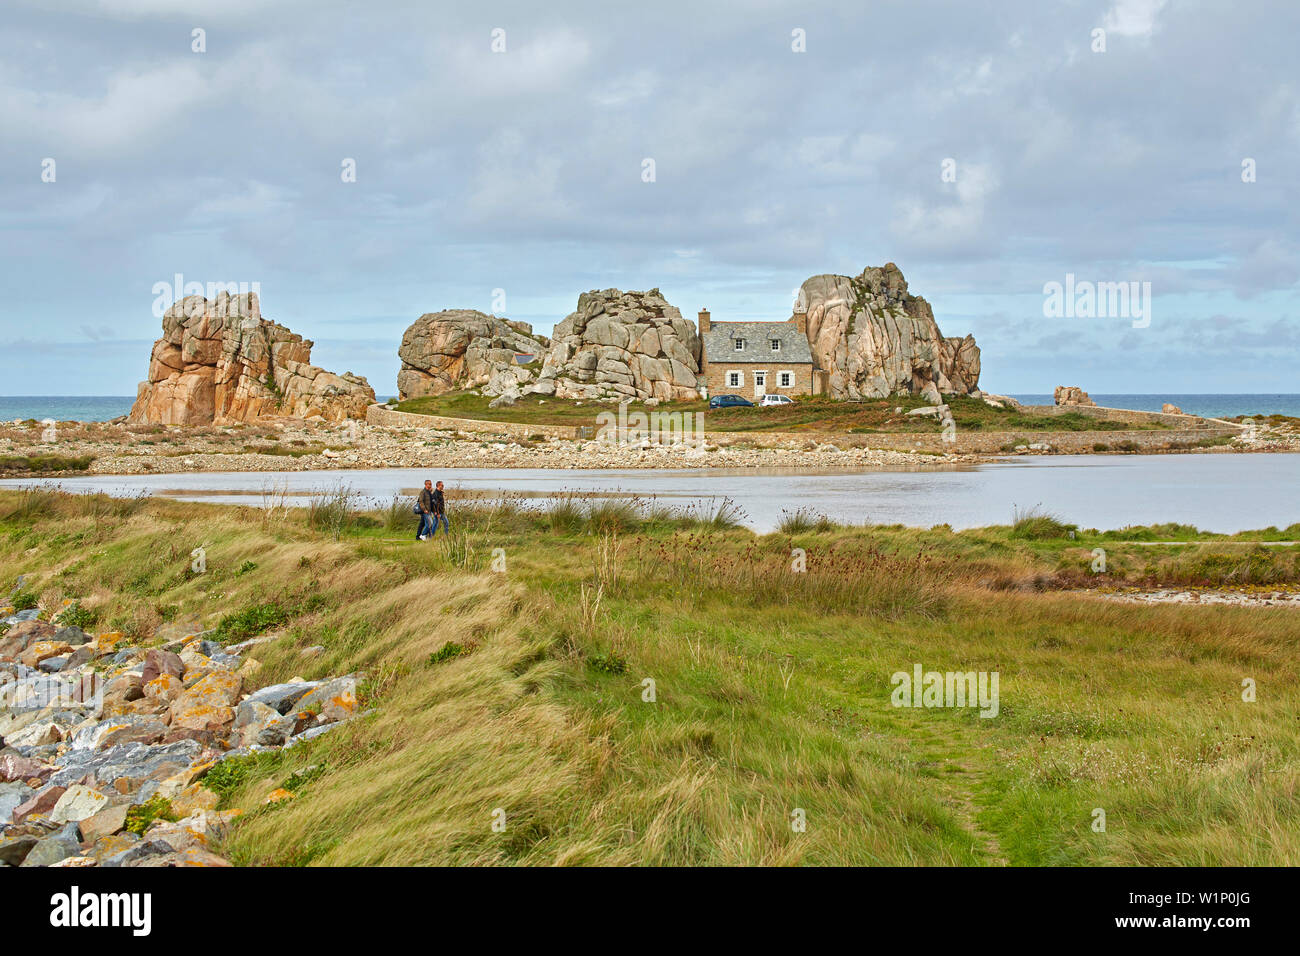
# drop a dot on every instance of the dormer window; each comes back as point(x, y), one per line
point(776, 345)
point(740, 345)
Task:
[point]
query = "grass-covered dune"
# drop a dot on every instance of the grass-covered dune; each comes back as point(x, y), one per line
point(508, 718)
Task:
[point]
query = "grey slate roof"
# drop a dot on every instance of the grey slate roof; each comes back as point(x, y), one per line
point(720, 349)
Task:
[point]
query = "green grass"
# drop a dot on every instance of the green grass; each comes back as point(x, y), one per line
point(23, 600)
point(812, 414)
point(1034, 525)
point(286, 451)
point(250, 622)
point(74, 615)
point(142, 815)
point(447, 652)
point(803, 520)
point(672, 692)
point(35, 464)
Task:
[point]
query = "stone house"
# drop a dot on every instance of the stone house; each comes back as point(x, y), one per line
point(753, 359)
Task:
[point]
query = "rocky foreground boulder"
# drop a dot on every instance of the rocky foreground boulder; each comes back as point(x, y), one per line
point(106, 747)
point(462, 348)
point(219, 361)
point(875, 338)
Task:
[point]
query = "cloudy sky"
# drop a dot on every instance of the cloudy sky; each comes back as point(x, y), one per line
point(524, 170)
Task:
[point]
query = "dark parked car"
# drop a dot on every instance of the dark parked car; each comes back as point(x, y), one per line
point(729, 401)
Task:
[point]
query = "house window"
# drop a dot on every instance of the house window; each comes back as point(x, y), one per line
point(776, 345)
point(740, 345)
point(735, 379)
point(787, 379)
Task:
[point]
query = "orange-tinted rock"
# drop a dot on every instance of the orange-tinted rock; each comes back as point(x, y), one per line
point(105, 823)
point(106, 642)
point(194, 797)
point(164, 687)
point(219, 361)
point(191, 856)
point(333, 700)
point(38, 651)
point(207, 705)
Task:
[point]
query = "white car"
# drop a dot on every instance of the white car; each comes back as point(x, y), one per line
point(769, 400)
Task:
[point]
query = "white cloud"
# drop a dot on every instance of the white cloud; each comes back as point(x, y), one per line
point(533, 62)
point(135, 107)
point(626, 89)
point(212, 10)
point(515, 182)
point(1133, 18)
point(948, 224)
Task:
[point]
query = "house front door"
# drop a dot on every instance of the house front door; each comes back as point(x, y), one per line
point(760, 384)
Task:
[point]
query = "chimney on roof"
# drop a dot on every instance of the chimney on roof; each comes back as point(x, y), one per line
point(800, 316)
point(705, 323)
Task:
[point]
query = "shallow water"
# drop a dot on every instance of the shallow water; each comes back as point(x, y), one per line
point(1215, 492)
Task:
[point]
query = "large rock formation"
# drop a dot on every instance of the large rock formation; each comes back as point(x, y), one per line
point(1071, 395)
point(461, 348)
point(622, 345)
point(219, 361)
point(874, 338)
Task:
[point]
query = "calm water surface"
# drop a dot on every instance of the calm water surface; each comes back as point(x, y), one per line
point(1223, 493)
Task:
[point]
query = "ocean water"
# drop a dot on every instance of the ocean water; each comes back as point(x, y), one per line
point(64, 408)
point(1212, 406)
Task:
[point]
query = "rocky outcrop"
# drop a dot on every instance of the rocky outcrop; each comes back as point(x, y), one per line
point(874, 338)
point(1171, 409)
point(1072, 395)
point(620, 345)
point(219, 361)
point(462, 348)
point(100, 738)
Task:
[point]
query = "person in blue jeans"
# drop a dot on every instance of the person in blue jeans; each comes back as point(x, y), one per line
point(424, 506)
point(439, 509)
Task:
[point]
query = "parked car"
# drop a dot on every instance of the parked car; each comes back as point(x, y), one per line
point(729, 401)
point(767, 401)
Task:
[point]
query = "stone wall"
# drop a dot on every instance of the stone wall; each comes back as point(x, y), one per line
point(1130, 415)
point(980, 443)
point(390, 418)
point(802, 384)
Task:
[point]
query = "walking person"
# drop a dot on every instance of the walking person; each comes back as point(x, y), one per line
point(424, 508)
point(439, 509)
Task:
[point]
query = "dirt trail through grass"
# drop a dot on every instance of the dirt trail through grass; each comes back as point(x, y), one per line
point(963, 771)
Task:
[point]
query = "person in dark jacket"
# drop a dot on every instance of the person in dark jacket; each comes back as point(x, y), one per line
point(440, 512)
point(424, 505)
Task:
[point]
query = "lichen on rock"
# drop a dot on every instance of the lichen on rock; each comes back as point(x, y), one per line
point(874, 338)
